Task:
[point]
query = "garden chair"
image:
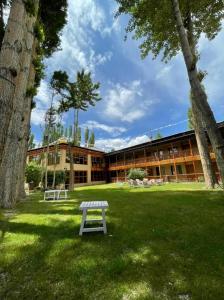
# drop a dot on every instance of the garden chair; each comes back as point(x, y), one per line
point(139, 182)
point(146, 183)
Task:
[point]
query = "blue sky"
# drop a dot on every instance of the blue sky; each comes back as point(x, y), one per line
point(138, 96)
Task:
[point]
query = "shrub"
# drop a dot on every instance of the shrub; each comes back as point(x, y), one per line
point(33, 173)
point(59, 177)
point(136, 174)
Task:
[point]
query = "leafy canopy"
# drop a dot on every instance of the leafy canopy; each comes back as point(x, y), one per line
point(153, 22)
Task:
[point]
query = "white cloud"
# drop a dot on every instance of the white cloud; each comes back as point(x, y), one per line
point(120, 143)
point(113, 130)
point(163, 72)
point(126, 102)
point(85, 18)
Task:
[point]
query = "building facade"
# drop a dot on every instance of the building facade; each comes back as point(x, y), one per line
point(89, 164)
point(173, 158)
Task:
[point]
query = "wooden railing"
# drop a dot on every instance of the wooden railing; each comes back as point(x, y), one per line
point(170, 178)
point(159, 157)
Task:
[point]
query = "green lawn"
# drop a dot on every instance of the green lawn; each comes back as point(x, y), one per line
point(165, 242)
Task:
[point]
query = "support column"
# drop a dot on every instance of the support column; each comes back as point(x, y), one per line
point(174, 163)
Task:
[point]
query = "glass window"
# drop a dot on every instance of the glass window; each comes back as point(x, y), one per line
point(80, 176)
point(97, 161)
point(78, 158)
point(179, 169)
point(53, 158)
point(97, 176)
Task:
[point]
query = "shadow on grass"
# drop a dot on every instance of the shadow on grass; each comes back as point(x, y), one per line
point(160, 245)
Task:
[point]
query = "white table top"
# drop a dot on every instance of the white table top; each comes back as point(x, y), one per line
point(52, 191)
point(93, 205)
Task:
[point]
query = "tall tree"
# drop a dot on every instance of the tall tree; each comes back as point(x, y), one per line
point(92, 140)
point(158, 136)
point(78, 95)
point(86, 136)
point(36, 36)
point(50, 122)
point(163, 26)
point(31, 143)
point(203, 147)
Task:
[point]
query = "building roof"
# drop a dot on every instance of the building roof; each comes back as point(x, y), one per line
point(171, 138)
point(63, 143)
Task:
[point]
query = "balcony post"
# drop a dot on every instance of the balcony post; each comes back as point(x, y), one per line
point(191, 152)
point(174, 163)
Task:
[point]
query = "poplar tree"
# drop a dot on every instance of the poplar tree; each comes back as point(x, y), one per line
point(86, 136)
point(32, 32)
point(163, 27)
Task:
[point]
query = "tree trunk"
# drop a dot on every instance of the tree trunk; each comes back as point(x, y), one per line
point(46, 164)
point(71, 172)
point(10, 63)
point(201, 138)
point(199, 95)
point(55, 163)
point(11, 164)
point(202, 143)
point(27, 108)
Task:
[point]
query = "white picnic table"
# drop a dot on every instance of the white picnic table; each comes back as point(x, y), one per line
point(55, 194)
point(93, 205)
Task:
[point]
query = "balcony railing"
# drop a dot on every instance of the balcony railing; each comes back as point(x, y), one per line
point(155, 158)
point(170, 178)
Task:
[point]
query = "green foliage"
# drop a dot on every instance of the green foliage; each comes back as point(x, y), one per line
point(30, 7)
point(136, 174)
point(53, 15)
point(31, 92)
point(153, 23)
point(86, 136)
point(91, 142)
point(33, 173)
point(190, 119)
point(79, 94)
point(158, 136)
point(39, 32)
point(31, 143)
point(59, 177)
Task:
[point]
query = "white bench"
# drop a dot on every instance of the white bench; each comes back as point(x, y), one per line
point(93, 205)
point(55, 194)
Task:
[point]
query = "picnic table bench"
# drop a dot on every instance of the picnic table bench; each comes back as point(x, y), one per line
point(55, 194)
point(93, 205)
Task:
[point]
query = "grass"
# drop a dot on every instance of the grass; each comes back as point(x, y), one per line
point(165, 242)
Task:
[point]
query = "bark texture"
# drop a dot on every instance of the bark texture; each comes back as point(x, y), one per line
point(203, 148)
point(14, 144)
point(10, 64)
point(199, 95)
point(22, 156)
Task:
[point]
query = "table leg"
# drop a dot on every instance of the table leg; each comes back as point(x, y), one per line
point(104, 221)
point(83, 221)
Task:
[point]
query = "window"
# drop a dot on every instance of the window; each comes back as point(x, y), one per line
point(80, 176)
point(172, 170)
point(97, 176)
point(78, 158)
point(97, 161)
point(163, 170)
point(179, 169)
point(157, 171)
point(53, 158)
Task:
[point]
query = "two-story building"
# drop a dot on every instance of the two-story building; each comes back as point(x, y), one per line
point(173, 158)
point(89, 164)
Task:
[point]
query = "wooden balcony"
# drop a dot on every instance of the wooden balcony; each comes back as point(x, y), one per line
point(150, 161)
point(171, 178)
